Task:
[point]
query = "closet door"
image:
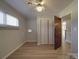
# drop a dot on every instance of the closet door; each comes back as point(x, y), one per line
point(44, 31)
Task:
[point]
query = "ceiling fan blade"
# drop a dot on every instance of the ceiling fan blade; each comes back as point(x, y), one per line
point(40, 0)
point(29, 3)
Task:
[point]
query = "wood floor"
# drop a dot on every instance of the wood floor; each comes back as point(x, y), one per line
point(32, 51)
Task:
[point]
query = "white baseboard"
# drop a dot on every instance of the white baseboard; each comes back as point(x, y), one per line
point(49, 44)
point(31, 41)
point(13, 50)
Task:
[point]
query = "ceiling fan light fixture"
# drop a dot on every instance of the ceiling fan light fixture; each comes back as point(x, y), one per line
point(39, 4)
point(39, 8)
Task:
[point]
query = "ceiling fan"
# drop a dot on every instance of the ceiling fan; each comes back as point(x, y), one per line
point(35, 2)
point(39, 4)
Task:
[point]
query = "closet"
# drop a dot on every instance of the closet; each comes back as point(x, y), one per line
point(44, 31)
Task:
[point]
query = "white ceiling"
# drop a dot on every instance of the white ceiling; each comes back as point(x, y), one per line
point(52, 7)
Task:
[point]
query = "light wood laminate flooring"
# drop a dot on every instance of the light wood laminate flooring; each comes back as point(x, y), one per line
point(33, 51)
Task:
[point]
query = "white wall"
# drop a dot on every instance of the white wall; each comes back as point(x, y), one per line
point(32, 36)
point(10, 39)
point(73, 9)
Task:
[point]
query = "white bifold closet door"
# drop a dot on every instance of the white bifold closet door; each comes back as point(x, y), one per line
point(43, 31)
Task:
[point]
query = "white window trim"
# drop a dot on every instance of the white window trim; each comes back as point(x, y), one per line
point(5, 26)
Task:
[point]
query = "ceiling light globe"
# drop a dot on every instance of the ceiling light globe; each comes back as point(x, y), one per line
point(39, 8)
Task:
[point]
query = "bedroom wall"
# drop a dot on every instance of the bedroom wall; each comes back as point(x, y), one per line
point(32, 36)
point(10, 39)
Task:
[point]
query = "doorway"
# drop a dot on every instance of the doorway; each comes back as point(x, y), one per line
point(66, 31)
point(62, 35)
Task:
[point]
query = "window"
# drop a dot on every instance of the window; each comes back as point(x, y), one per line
point(10, 20)
point(1, 17)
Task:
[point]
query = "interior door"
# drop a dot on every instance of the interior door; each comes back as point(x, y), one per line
point(44, 31)
point(57, 33)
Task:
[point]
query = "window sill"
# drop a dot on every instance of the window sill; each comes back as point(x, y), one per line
point(8, 27)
